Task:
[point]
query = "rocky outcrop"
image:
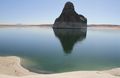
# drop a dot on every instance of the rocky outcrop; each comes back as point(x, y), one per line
point(69, 18)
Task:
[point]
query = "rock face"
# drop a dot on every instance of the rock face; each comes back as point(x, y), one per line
point(69, 18)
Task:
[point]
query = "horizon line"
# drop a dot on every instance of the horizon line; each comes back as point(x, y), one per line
point(52, 24)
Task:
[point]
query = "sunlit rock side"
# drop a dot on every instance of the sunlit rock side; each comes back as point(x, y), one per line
point(69, 18)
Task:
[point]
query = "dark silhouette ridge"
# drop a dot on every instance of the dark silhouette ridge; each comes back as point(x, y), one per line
point(69, 18)
point(69, 37)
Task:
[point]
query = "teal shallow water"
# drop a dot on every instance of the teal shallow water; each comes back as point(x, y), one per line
point(46, 50)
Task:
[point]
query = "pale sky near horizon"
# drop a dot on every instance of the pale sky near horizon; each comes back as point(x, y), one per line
point(46, 11)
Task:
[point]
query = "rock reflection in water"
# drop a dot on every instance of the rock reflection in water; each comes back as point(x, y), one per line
point(69, 37)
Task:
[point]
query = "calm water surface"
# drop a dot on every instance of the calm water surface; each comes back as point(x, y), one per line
point(45, 50)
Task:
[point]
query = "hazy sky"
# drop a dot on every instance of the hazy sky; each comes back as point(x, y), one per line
point(45, 11)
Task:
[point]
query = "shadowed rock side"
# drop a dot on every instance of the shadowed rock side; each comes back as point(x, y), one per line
point(68, 37)
point(69, 18)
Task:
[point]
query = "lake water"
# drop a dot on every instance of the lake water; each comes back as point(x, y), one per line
point(45, 50)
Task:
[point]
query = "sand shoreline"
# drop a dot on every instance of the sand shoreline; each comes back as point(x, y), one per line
point(10, 67)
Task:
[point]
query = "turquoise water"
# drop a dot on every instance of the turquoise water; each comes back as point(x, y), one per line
point(45, 50)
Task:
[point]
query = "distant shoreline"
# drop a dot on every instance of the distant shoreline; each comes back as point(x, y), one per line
point(23, 25)
point(95, 26)
point(89, 25)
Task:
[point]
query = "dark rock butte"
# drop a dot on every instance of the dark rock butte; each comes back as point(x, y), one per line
point(69, 18)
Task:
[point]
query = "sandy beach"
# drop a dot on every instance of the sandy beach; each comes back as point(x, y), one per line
point(10, 67)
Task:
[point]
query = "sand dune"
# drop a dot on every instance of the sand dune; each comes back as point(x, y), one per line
point(10, 68)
